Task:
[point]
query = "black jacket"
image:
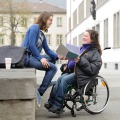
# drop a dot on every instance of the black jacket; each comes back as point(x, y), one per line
point(88, 66)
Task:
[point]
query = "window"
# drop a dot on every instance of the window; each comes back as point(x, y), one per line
point(116, 30)
point(75, 41)
point(116, 66)
point(88, 6)
point(69, 24)
point(80, 37)
point(59, 22)
point(1, 39)
point(81, 12)
point(24, 22)
point(75, 18)
point(48, 37)
point(100, 2)
point(59, 39)
point(106, 33)
point(23, 35)
point(105, 65)
point(93, 28)
point(1, 21)
point(98, 28)
point(59, 61)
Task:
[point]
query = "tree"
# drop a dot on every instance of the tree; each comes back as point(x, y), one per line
point(14, 15)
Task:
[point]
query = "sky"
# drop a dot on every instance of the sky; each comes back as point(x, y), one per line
point(58, 3)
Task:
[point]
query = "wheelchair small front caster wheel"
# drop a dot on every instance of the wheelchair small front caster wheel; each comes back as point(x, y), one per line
point(73, 113)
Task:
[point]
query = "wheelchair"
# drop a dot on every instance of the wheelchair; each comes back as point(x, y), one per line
point(92, 97)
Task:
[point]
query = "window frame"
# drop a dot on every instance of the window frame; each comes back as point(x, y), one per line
point(59, 21)
point(59, 41)
point(49, 42)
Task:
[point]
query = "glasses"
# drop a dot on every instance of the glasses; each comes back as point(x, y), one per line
point(50, 20)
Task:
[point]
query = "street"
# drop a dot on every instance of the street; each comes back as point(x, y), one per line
point(111, 112)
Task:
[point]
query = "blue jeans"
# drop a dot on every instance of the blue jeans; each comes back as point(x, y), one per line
point(58, 92)
point(32, 62)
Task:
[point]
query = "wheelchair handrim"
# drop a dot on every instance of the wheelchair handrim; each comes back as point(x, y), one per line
point(87, 107)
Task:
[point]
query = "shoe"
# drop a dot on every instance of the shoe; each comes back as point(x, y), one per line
point(38, 98)
point(56, 110)
point(47, 105)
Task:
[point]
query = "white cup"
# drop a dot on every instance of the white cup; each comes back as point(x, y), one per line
point(8, 62)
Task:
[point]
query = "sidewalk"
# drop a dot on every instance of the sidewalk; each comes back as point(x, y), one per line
point(111, 112)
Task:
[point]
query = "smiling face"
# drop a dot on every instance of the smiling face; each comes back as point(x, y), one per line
point(86, 38)
point(92, 36)
point(49, 22)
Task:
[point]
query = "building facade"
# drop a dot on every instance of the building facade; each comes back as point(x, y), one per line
point(107, 24)
point(56, 33)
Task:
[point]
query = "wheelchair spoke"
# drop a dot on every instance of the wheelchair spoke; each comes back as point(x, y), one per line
point(93, 97)
point(98, 99)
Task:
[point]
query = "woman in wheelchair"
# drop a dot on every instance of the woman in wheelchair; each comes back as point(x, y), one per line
point(86, 66)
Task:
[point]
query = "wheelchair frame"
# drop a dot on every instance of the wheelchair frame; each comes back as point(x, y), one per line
point(89, 91)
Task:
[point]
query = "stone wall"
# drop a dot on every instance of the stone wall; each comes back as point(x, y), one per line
point(17, 94)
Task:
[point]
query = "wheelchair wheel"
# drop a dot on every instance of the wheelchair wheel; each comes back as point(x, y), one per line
point(69, 101)
point(96, 95)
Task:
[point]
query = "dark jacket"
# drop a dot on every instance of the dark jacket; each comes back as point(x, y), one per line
point(88, 66)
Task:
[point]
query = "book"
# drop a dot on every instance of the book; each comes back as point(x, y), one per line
point(68, 51)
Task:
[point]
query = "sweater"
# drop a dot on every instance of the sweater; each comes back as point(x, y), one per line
point(30, 42)
point(71, 63)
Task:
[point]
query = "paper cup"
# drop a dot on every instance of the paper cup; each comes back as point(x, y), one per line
point(8, 62)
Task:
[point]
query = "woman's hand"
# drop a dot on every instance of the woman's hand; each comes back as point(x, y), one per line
point(44, 62)
point(61, 57)
point(64, 68)
point(76, 59)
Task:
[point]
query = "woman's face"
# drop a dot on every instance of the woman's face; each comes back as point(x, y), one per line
point(49, 22)
point(86, 38)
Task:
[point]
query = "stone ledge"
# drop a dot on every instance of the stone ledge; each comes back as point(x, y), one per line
point(17, 110)
point(17, 84)
point(17, 73)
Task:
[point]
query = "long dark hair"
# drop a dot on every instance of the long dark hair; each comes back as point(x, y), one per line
point(42, 19)
point(95, 39)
